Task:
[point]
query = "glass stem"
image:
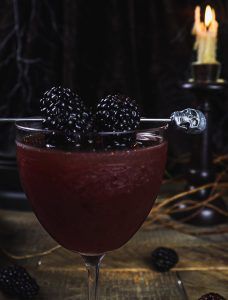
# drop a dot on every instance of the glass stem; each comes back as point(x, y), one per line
point(92, 264)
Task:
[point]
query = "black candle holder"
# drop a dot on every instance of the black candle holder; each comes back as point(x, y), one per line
point(201, 170)
point(206, 73)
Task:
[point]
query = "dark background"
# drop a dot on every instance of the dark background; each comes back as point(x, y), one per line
point(141, 48)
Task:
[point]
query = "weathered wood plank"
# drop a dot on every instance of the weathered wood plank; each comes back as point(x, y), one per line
point(199, 283)
point(122, 285)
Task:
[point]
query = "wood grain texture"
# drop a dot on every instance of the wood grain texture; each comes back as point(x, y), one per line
point(126, 273)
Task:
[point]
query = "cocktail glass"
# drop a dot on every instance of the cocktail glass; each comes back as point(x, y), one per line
point(91, 201)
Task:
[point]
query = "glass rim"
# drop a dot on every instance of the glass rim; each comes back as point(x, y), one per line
point(19, 125)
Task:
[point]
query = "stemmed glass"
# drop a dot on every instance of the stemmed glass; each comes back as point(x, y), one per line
point(91, 201)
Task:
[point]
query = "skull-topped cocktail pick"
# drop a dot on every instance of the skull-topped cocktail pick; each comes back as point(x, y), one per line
point(189, 120)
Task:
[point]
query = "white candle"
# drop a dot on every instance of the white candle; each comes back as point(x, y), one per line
point(206, 36)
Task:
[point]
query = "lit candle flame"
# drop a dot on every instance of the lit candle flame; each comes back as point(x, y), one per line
point(209, 15)
point(206, 36)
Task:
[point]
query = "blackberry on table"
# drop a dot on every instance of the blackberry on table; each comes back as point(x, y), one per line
point(63, 110)
point(163, 259)
point(16, 281)
point(117, 113)
point(212, 296)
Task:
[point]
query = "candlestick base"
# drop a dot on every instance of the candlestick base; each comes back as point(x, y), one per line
point(206, 72)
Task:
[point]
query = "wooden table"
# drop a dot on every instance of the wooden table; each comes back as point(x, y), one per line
point(125, 273)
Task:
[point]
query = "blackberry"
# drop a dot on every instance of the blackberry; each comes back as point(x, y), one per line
point(163, 259)
point(117, 113)
point(16, 281)
point(212, 296)
point(63, 110)
point(115, 141)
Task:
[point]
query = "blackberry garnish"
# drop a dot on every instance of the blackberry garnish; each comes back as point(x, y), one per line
point(163, 259)
point(16, 281)
point(115, 141)
point(212, 296)
point(120, 115)
point(65, 111)
point(117, 113)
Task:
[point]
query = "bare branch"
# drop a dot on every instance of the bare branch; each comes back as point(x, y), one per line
point(6, 39)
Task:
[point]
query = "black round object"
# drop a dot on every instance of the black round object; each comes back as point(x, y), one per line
point(64, 110)
point(212, 296)
point(16, 281)
point(117, 113)
point(163, 259)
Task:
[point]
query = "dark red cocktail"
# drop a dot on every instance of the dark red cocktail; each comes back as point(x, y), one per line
point(91, 197)
point(91, 202)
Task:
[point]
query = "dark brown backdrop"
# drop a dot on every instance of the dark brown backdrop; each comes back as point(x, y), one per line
point(142, 48)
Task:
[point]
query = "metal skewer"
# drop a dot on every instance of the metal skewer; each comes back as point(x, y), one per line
point(8, 120)
point(190, 120)
point(155, 120)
